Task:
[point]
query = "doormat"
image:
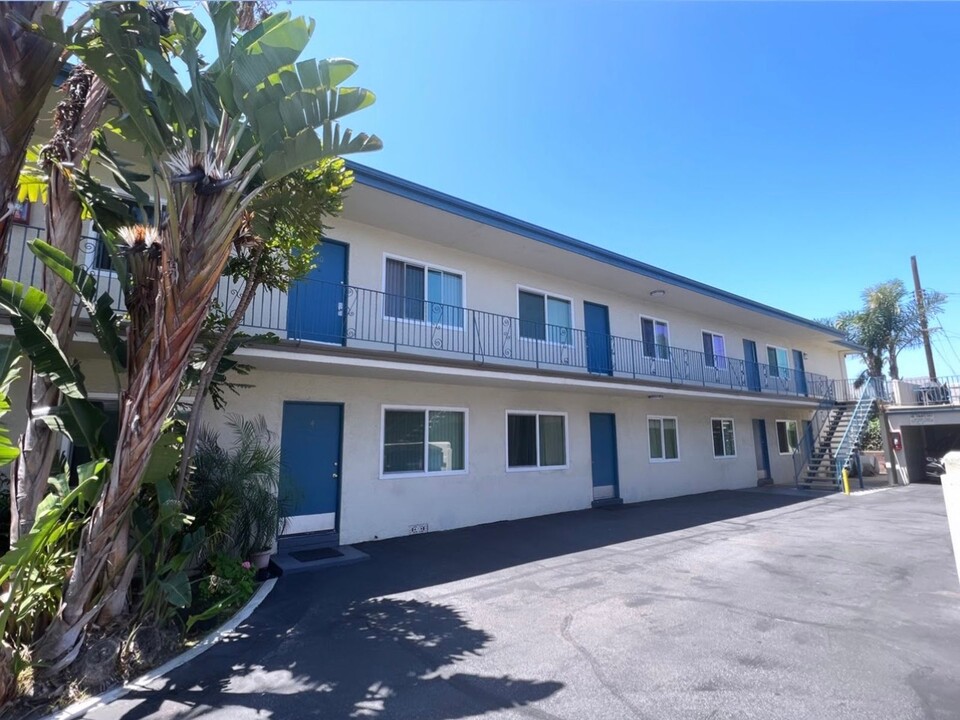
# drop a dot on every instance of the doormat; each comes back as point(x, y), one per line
point(316, 554)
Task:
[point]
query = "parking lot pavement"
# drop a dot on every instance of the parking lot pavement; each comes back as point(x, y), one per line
point(723, 605)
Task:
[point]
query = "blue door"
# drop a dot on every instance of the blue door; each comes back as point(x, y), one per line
point(752, 366)
point(800, 372)
point(808, 437)
point(596, 322)
point(316, 304)
point(762, 451)
point(603, 456)
point(310, 459)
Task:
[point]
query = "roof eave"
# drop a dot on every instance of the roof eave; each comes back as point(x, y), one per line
point(418, 193)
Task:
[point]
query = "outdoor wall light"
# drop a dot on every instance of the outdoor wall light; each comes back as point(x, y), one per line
point(658, 293)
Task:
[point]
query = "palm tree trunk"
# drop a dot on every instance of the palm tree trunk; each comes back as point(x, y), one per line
point(210, 369)
point(75, 120)
point(167, 306)
point(894, 367)
point(28, 66)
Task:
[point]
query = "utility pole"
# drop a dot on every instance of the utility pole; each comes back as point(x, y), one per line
point(922, 312)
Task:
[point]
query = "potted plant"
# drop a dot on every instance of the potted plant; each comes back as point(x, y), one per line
point(266, 519)
point(234, 491)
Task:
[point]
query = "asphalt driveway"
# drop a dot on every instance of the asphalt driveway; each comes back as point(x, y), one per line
point(724, 605)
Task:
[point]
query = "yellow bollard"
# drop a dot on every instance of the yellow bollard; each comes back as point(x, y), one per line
point(846, 482)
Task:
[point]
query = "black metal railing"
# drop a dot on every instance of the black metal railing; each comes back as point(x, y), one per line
point(813, 434)
point(362, 318)
point(371, 318)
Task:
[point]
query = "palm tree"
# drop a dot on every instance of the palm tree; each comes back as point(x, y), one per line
point(888, 323)
point(278, 247)
point(28, 65)
point(76, 118)
point(250, 118)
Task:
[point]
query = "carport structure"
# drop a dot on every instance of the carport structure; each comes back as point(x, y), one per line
point(924, 421)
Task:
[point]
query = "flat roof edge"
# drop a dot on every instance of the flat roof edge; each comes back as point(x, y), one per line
point(380, 180)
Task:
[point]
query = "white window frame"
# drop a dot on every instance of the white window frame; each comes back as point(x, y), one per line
point(783, 371)
point(426, 441)
point(655, 320)
point(777, 429)
point(427, 267)
point(723, 337)
point(663, 443)
point(733, 424)
point(538, 467)
point(547, 294)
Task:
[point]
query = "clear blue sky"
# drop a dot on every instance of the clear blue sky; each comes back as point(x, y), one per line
point(791, 153)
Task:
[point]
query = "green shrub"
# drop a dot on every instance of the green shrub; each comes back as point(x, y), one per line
point(873, 435)
point(234, 492)
point(229, 584)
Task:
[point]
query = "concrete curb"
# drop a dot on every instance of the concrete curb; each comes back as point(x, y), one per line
point(141, 683)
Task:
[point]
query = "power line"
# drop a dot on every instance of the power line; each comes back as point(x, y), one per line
point(946, 361)
point(946, 337)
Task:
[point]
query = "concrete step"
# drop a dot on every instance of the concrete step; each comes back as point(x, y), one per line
point(607, 502)
point(304, 541)
point(301, 560)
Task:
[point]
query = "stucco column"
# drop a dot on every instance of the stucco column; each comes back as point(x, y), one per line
point(951, 496)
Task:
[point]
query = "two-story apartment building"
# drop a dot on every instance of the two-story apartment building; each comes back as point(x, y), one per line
point(446, 365)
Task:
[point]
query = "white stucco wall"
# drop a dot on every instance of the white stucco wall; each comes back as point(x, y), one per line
point(375, 508)
point(492, 286)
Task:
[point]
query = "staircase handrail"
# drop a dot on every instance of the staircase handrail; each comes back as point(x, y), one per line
point(803, 453)
point(858, 420)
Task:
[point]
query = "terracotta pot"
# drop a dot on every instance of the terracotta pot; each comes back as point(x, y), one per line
point(261, 559)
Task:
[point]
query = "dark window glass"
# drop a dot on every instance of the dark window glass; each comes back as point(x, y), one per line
point(413, 287)
point(532, 316)
point(708, 349)
point(403, 441)
point(649, 341)
point(521, 441)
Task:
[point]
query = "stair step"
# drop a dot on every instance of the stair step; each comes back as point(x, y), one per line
point(308, 541)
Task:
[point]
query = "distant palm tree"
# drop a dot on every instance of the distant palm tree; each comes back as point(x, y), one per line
point(888, 323)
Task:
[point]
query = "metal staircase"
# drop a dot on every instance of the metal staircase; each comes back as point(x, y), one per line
point(819, 465)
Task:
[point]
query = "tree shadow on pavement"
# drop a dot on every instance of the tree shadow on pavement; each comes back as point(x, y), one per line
point(379, 658)
point(341, 644)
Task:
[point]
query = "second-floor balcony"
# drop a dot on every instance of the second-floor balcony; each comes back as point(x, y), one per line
point(328, 315)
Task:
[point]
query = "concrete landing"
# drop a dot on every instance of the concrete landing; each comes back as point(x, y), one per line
point(310, 560)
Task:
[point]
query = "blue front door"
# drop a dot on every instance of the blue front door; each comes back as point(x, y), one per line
point(761, 450)
point(603, 456)
point(596, 322)
point(808, 437)
point(752, 367)
point(310, 460)
point(801, 374)
point(316, 304)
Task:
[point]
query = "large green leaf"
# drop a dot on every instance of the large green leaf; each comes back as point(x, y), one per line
point(49, 525)
point(176, 589)
point(30, 315)
point(9, 354)
point(116, 59)
point(274, 43)
point(165, 456)
point(78, 419)
point(105, 322)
